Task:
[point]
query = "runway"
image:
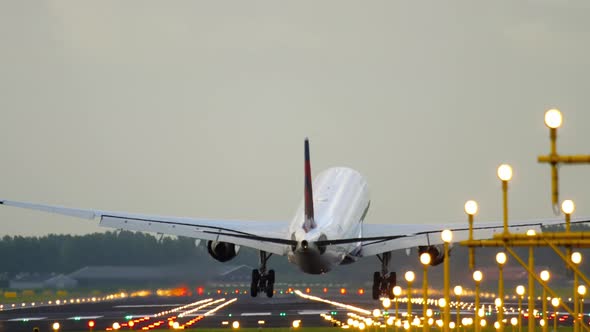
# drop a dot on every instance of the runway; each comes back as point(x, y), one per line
point(218, 311)
point(250, 312)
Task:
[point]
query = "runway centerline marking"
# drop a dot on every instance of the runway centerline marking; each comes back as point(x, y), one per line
point(25, 319)
point(146, 305)
point(255, 314)
point(84, 317)
point(312, 312)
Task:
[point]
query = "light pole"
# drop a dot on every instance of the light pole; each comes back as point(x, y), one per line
point(397, 291)
point(582, 292)
point(447, 237)
point(545, 275)
point(555, 303)
point(568, 207)
point(443, 304)
point(505, 174)
point(471, 209)
point(520, 293)
point(553, 120)
point(410, 276)
point(425, 260)
point(501, 260)
point(477, 277)
point(386, 305)
point(458, 290)
point(576, 258)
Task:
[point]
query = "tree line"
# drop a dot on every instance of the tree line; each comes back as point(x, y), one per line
point(67, 253)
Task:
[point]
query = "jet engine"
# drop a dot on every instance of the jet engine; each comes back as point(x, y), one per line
point(436, 253)
point(222, 251)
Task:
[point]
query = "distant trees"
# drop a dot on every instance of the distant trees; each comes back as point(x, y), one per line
point(67, 253)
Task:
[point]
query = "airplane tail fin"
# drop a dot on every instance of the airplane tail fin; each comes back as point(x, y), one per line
point(309, 222)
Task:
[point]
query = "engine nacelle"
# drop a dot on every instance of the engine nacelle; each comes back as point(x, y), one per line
point(222, 251)
point(436, 253)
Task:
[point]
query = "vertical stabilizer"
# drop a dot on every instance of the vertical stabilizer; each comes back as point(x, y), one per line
point(309, 222)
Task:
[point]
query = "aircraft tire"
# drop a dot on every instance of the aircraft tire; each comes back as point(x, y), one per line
point(376, 285)
point(254, 284)
point(270, 288)
point(392, 281)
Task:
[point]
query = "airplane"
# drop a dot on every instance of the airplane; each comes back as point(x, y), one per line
point(327, 230)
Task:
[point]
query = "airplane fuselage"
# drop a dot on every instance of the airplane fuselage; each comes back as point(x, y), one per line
point(341, 201)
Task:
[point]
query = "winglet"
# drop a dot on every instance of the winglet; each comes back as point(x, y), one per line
point(309, 222)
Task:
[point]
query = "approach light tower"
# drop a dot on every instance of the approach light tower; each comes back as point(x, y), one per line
point(553, 120)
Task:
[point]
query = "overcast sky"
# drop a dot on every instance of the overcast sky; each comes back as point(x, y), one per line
point(200, 108)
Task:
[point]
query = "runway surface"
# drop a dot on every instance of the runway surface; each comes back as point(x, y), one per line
point(276, 312)
point(149, 313)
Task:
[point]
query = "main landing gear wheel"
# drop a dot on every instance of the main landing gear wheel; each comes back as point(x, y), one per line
point(254, 283)
point(270, 283)
point(262, 281)
point(392, 283)
point(384, 282)
point(376, 285)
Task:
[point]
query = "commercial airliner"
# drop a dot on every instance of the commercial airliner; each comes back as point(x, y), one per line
point(327, 230)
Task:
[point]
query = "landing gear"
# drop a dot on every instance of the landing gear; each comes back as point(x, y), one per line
point(384, 282)
point(262, 281)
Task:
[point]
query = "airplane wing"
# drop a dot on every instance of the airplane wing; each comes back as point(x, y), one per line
point(404, 236)
point(266, 236)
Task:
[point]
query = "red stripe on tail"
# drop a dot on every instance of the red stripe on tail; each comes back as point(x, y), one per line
point(309, 222)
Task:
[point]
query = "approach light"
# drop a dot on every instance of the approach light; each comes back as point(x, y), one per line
point(505, 172)
point(116, 326)
point(425, 258)
point(498, 302)
point(477, 275)
point(235, 325)
point(91, 323)
point(458, 290)
point(568, 206)
point(397, 291)
point(576, 257)
point(471, 207)
point(582, 290)
point(520, 290)
point(386, 303)
point(447, 236)
point(555, 302)
point(553, 118)
point(545, 275)
point(55, 326)
point(501, 258)
point(410, 276)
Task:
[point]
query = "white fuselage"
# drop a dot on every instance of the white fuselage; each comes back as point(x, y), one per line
point(341, 201)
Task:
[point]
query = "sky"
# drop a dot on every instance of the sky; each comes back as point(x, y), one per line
point(200, 109)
